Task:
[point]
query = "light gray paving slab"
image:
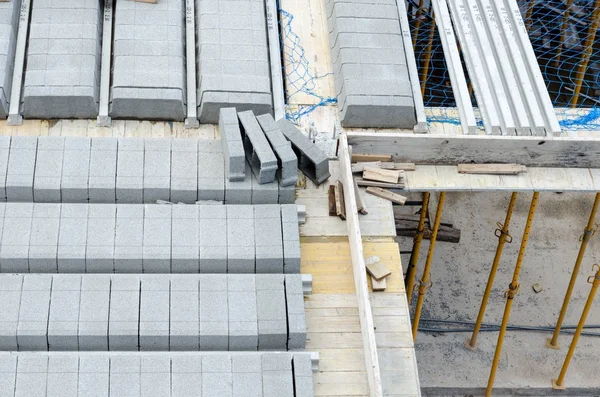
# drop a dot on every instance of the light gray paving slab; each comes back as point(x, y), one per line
point(185, 250)
point(303, 379)
point(10, 301)
point(291, 238)
point(211, 171)
point(123, 328)
point(184, 171)
point(94, 374)
point(32, 329)
point(32, 376)
point(271, 312)
point(48, 169)
point(268, 239)
point(239, 192)
point(241, 256)
point(214, 313)
point(16, 234)
point(157, 170)
point(4, 152)
point(184, 314)
point(287, 172)
point(63, 322)
point(213, 238)
point(186, 376)
point(8, 375)
point(277, 375)
point(296, 313)
point(154, 313)
point(241, 299)
point(76, 170)
point(21, 168)
point(100, 249)
point(93, 312)
point(265, 193)
point(63, 374)
point(156, 376)
point(130, 170)
point(125, 375)
point(103, 170)
point(157, 239)
point(129, 236)
point(72, 238)
point(43, 242)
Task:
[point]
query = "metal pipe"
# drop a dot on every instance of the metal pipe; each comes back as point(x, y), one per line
point(563, 31)
point(587, 53)
point(411, 272)
point(425, 73)
point(529, 13)
point(552, 343)
point(559, 383)
point(424, 284)
point(418, 22)
point(511, 293)
point(503, 236)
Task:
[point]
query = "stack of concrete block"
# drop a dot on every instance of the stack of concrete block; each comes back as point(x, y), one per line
point(286, 158)
point(127, 312)
point(62, 73)
point(9, 23)
point(160, 374)
point(128, 171)
point(150, 238)
point(233, 57)
point(149, 61)
point(371, 73)
point(233, 146)
point(258, 151)
point(312, 161)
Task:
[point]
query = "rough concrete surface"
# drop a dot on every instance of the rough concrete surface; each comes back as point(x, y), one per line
point(459, 274)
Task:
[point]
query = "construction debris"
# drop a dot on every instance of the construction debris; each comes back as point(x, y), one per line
point(358, 157)
point(360, 167)
point(386, 194)
point(492, 169)
point(364, 182)
point(406, 226)
point(380, 175)
point(360, 204)
point(340, 205)
point(376, 269)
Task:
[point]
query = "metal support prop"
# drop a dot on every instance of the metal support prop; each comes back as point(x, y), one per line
point(589, 231)
point(191, 120)
point(529, 13)
point(558, 384)
point(104, 119)
point(275, 58)
point(587, 53)
point(14, 107)
point(425, 283)
point(418, 22)
point(427, 61)
point(563, 31)
point(503, 237)
point(511, 293)
point(414, 255)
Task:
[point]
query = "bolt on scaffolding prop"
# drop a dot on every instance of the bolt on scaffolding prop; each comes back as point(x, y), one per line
point(511, 293)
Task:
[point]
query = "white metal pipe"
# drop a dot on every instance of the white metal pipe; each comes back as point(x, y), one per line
point(104, 119)
point(413, 73)
point(191, 120)
point(14, 115)
point(454, 65)
point(275, 58)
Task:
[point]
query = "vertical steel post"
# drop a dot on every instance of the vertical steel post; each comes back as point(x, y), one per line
point(503, 236)
point(427, 60)
point(559, 384)
point(513, 289)
point(418, 22)
point(587, 53)
point(424, 284)
point(411, 272)
point(552, 343)
point(529, 13)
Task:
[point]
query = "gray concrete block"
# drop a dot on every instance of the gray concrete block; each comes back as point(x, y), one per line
point(239, 192)
point(303, 380)
point(217, 376)
point(93, 312)
point(21, 168)
point(129, 236)
point(287, 194)
point(32, 329)
point(233, 147)
point(211, 175)
point(4, 152)
point(48, 169)
point(247, 384)
point(32, 376)
point(8, 375)
point(43, 242)
point(63, 374)
point(272, 320)
point(99, 255)
point(16, 234)
point(184, 171)
point(266, 193)
point(291, 239)
point(185, 250)
point(186, 376)
point(268, 239)
point(213, 238)
point(258, 151)
point(125, 376)
point(286, 158)
point(10, 300)
point(214, 312)
point(130, 170)
point(295, 310)
point(156, 376)
point(154, 313)
point(123, 328)
point(241, 299)
point(184, 314)
point(76, 170)
point(103, 170)
point(72, 238)
point(157, 170)
point(157, 239)
point(94, 374)
point(63, 322)
point(212, 102)
point(241, 256)
point(277, 375)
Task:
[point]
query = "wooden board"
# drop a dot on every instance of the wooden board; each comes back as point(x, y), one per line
point(381, 175)
point(360, 203)
point(340, 202)
point(378, 285)
point(378, 270)
point(360, 167)
point(364, 182)
point(365, 157)
point(492, 169)
point(386, 194)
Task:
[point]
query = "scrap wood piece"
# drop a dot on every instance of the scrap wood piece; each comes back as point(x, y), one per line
point(492, 169)
point(360, 204)
point(378, 270)
point(331, 201)
point(381, 175)
point(364, 182)
point(340, 204)
point(358, 157)
point(360, 167)
point(378, 286)
point(386, 194)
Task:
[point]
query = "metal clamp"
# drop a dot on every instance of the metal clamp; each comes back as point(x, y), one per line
point(590, 232)
point(500, 231)
point(512, 291)
point(425, 286)
point(596, 269)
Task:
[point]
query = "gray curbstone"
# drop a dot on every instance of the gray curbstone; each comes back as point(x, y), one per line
point(75, 181)
point(157, 170)
point(93, 312)
point(184, 171)
point(233, 146)
point(48, 169)
point(21, 168)
point(32, 329)
point(286, 158)
point(124, 315)
point(63, 321)
point(258, 151)
point(130, 171)
point(103, 170)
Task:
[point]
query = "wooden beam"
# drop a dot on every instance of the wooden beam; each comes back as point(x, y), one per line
point(491, 169)
point(360, 203)
point(386, 194)
point(454, 149)
point(360, 167)
point(360, 275)
point(359, 157)
point(340, 206)
point(363, 182)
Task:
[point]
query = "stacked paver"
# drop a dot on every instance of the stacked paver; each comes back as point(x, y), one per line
point(167, 374)
point(9, 22)
point(62, 76)
point(149, 60)
point(125, 170)
point(233, 57)
point(371, 74)
point(232, 312)
point(151, 238)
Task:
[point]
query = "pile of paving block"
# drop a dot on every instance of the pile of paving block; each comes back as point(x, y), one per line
point(150, 238)
point(371, 74)
point(167, 374)
point(271, 150)
point(134, 312)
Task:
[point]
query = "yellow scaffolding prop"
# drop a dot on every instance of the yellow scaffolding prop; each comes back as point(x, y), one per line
point(503, 237)
point(417, 22)
point(559, 383)
point(425, 283)
point(427, 60)
point(589, 231)
point(511, 293)
point(414, 255)
point(587, 53)
point(529, 13)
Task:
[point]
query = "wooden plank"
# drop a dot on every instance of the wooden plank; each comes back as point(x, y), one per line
point(340, 207)
point(492, 169)
point(381, 175)
point(360, 203)
point(363, 182)
point(378, 285)
point(331, 201)
point(360, 167)
point(386, 194)
point(378, 270)
point(530, 151)
point(363, 157)
point(360, 277)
